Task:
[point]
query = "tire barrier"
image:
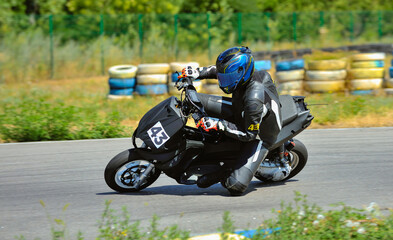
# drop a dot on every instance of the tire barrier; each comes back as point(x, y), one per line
point(391, 72)
point(368, 64)
point(365, 84)
point(368, 56)
point(327, 65)
point(125, 91)
point(290, 87)
point(292, 75)
point(153, 68)
point(366, 73)
point(173, 90)
point(173, 77)
point(118, 97)
point(324, 86)
point(388, 91)
point(157, 89)
point(150, 79)
point(211, 81)
point(288, 65)
point(362, 92)
point(119, 83)
point(211, 89)
point(389, 83)
point(326, 75)
point(262, 65)
point(178, 66)
point(122, 71)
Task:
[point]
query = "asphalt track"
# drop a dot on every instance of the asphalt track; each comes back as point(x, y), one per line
point(354, 166)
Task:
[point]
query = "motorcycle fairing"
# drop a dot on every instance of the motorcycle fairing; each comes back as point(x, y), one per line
point(160, 127)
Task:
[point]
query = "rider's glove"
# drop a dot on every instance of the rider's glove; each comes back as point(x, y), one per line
point(189, 71)
point(208, 123)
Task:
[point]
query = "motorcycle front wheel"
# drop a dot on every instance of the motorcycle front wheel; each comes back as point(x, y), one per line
point(124, 171)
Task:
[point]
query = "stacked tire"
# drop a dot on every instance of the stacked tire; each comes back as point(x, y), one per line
point(389, 81)
point(325, 76)
point(366, 73)
point(152, 79)
point(289, 76)
point(121, 81)
point(176, 68)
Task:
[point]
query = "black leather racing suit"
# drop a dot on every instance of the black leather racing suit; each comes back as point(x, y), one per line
point(252, 116)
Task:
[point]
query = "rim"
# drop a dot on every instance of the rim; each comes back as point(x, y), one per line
point(129, 174)
point(293, 160)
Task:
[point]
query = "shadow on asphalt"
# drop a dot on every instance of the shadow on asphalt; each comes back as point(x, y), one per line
point(190, 190)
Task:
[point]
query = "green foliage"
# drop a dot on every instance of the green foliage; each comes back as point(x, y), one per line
point(309, 221)
point(120, 227)
point(34, 118)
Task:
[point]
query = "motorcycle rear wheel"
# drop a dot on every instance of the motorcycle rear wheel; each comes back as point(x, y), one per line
point(298, 159)
point(124, 171)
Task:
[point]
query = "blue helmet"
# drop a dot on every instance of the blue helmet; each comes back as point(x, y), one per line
point(234, 66)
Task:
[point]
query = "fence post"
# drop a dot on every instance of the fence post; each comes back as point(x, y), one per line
point(239, 28)
point(267, 27)
point(351, 26)
point(51, 54)
point(140, 28)
point(321, 19)
point(102, 44)
point(209, 35)
point(176, 17)
point(294, 20)
point(380, 33)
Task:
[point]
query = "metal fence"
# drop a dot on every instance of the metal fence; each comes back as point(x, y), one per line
point(207, 33)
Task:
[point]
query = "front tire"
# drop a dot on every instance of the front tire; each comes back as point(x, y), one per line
point(298, 159)
point(124, 171)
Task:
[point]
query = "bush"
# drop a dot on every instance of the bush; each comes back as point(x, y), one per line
point(33, 118)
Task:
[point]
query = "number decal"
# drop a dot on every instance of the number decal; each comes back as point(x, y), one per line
point(158, 135)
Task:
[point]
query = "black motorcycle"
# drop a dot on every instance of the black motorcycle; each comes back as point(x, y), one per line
point(163, 142)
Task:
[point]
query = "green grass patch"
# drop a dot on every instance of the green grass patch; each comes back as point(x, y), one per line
point(298, 220)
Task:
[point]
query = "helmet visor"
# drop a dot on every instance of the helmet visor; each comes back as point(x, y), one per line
point(227, 79)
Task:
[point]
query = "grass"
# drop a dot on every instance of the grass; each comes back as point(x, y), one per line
point(301, 220)
point(79, 109)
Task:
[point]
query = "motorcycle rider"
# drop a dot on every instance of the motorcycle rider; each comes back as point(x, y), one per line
point(252, 116)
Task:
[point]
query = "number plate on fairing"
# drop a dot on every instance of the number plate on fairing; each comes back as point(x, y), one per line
point(158, 135)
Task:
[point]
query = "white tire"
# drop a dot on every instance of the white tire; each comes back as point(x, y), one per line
point(323, 65)
point(388, 91)
point(292, 85)
point(365, 84)
point(326, 75)
point(178, 66)
point(366, 73)
point(122, 71)
point(368, 56)
point(150, 79)
point(153, 68)
point(119, 97)
point(324, 86)
point(285, 76)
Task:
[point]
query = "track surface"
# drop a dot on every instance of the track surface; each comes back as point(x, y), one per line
point(345, 165)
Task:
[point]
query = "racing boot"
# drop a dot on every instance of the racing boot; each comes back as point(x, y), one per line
point(252, 156)
point(207, 180)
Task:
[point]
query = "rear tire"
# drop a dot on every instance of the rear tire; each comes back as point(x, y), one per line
point(299, 156)
point(123, 171)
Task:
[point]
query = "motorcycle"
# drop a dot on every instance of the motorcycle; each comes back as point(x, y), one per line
point(163, 142)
